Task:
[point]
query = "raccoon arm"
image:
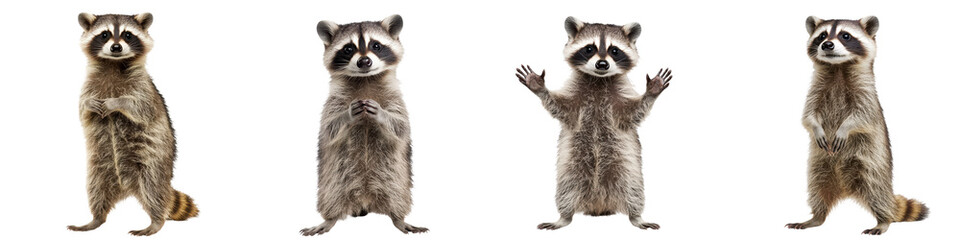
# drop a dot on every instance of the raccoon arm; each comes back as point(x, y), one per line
point(395, 119)
point(812, 124)
point(856, 122)
point(135, 109)
point(555, 103)
point(643, 107)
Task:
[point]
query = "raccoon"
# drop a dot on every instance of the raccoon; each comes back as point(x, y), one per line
point(130, 141)
point(849, 143)
point(364, 150)
point(598, 166)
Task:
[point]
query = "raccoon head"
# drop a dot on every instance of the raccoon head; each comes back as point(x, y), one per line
point(601, 50)
point(363, 48)
point(113, 37)
point(842, 41)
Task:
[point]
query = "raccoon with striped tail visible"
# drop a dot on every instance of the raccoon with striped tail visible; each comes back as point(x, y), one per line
point(130, 141)
point(598, 167)
point(364, 148)
point(849, 143)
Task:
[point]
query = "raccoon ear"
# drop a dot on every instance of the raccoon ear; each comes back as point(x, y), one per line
point(632, 30)
point(144, 19)
point(86, 20)
point(326, 29)
point(573, 26)
point(393, 24)
point(812, 23)
point(871, 24)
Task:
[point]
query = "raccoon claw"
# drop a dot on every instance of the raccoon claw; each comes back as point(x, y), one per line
point(872, 231)
point(548, 226)
point(660, 82)
point(356, 108)
point(822, 143)
point(646, 226)
point(95, 106)
point(838, 143)
point(798, 226)
point(529, 78)
point(144, 232)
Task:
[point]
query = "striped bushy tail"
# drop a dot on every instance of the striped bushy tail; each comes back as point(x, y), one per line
point(909, 210)
point(183, 207)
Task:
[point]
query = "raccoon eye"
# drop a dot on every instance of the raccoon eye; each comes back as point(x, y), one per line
point(127, 35)
point(376, 46)
point(348, 49)
point(615, 51)
point(588, 49)
point(845, 36)
point(822, 36)
point(105, 35)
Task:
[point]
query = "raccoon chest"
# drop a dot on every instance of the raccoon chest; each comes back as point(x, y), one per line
point(369, 153)
point(834, 105)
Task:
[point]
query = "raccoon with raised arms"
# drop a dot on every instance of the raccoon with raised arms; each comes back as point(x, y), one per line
point(598, 165)
point(849, 144)
point(364, 149)
point(130, 142)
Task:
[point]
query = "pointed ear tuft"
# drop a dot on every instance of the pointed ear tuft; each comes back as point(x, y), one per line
point(326, 29)
point(870, 24)
point(812, 23)
point(86, 20)
point(144, 19)
point(632, 30)
point(393, 24)
point(573, 26)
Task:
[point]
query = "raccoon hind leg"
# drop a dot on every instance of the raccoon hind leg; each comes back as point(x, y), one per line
point(103, 184)
point(824, 192)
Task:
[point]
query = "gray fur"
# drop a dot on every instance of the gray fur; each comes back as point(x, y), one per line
point(850, 147)
point(130, 140)
point(364, 144)
point(599, 164)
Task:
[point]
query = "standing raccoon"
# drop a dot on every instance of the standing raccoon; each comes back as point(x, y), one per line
point(364, 150)
point(849, 144)
point(598, 167)
point(130, 141)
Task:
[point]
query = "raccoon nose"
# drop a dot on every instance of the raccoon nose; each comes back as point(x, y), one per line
point(603, 65)
point(827, 46)
point(364, 62)
point(116, 48)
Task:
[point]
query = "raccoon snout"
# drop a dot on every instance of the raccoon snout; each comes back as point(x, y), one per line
point(603, 65)
point(364, 62)
point(827, 46)
point(116, 48)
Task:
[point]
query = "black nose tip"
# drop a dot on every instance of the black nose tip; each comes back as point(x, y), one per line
point(603, 65)
point(116, 48)
point(827, 46)
point(364, 62)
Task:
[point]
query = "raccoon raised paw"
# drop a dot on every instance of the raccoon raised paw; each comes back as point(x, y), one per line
point(660, 82)
point(530, 78)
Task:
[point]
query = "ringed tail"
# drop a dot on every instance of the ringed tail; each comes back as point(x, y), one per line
point(910, 210)
point(182, 207)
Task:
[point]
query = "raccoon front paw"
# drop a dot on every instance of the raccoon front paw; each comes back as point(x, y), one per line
point(94, 106)
point(530, 78)
point(838, 144)
point(366, 107)
point(660, 82)
point(822, 143)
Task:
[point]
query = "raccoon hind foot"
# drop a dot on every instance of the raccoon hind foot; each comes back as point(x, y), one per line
point(89, 226)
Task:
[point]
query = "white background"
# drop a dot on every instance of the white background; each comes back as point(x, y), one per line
point(724, 151)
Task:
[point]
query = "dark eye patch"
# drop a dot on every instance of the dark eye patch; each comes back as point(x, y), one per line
point(96, 44)
point(383, 52)
point(583, 55)
point(621, 58)
point(815, 45)
point(852, 44)
point(343, 56)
